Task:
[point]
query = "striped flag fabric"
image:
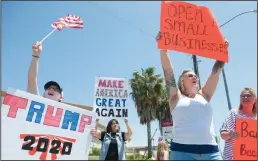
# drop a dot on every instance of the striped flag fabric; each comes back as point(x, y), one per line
point(69, 21)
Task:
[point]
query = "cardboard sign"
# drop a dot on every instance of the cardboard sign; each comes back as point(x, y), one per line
point(245, 147)
point(193, 29)
point(36, 128)
point(111, 97)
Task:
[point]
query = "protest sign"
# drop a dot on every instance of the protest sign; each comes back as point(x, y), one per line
point(111, 97)
point(193, 29)
point(37, 128)
point(167, 128)
point(245, 147)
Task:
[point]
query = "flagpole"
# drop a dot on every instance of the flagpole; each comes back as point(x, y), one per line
point(48, 35)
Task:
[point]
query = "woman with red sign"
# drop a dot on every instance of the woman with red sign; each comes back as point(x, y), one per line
point(194, 135)
point(247, 109)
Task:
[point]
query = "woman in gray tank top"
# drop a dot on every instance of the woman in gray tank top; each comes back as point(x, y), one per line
point(192, 114)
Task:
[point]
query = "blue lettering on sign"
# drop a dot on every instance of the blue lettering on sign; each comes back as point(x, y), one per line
point(110, 104)
point(123, 100)
point(72, 117)
point(33, 110)
point(103, 102)
point(98, 103)
point(117, 103)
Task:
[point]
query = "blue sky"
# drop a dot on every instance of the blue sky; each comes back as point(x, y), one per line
point(117, 39)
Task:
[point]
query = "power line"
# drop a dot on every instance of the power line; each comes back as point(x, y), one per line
point(122, 20)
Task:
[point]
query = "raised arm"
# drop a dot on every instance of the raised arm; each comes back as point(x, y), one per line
point(95, 132)
point(210, 86)
point(171, 86)
point(129, 132)
point(33, 70)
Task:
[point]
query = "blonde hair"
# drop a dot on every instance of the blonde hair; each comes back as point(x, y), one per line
point(162, 147)
point(252, 91)
point(180, 83)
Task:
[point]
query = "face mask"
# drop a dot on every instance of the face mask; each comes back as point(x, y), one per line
point(53, 95)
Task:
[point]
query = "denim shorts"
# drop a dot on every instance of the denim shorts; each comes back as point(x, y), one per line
point(176, 155)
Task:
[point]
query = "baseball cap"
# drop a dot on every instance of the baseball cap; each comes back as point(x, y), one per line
point(50, 83)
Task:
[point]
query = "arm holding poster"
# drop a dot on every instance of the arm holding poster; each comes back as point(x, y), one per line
point(227, 131)
point(95, 132)
point(228, 134)
point(33, 70)
point(210, 86)
point(172, 89)
point(129, 132)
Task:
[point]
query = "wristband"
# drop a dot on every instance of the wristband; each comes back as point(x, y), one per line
point(35, 56)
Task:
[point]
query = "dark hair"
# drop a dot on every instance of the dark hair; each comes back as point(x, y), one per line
point(109, 128)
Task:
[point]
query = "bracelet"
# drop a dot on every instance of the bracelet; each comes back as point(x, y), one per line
point(35, 56)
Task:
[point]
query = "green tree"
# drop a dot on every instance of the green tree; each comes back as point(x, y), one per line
point(147, 91)
point(163, 110)
point(95, 151)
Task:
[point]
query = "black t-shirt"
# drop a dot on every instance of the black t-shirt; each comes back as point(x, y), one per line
point(112, 153)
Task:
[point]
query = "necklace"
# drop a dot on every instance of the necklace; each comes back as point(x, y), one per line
point(114, 134)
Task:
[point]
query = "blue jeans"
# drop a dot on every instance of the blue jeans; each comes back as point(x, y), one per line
point(176, 155)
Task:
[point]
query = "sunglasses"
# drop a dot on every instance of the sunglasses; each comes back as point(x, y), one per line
point(192, 75)
point(246, 96)
point(54, 88)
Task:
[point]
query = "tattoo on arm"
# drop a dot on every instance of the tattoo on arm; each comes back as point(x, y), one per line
point(170, 79)
point(218, 65)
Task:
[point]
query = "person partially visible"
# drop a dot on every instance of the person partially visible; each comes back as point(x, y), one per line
point(53, 90)
point(163, 151)
point(113, 140)
point(247, 109)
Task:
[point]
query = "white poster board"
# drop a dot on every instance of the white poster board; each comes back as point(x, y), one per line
point(168, 132)
point(167, 129)
point(36, 128)
point(111, 97)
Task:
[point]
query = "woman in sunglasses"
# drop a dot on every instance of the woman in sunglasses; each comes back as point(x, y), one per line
point(194, 135)
point(247, 109)
point(112, 140)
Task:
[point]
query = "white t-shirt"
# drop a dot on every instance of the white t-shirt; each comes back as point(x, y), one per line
point(193, 121)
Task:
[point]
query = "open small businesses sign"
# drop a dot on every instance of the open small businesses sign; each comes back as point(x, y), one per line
point(36, 128)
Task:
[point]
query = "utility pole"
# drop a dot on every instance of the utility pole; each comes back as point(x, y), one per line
point(195, 63)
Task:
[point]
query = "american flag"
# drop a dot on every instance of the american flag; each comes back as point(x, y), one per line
point(69, 21)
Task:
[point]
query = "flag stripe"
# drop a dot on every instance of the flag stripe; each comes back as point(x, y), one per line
point(69, 21)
